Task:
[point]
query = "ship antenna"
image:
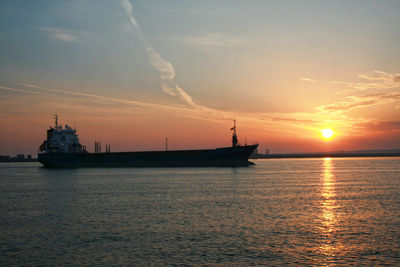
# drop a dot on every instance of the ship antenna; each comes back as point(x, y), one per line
point(166, 143)
point(56, 120)
point(234, 137)
point(74, 122)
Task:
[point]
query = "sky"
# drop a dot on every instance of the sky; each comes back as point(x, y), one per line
point(130, 73)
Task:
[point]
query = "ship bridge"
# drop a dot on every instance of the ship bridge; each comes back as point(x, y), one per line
point(61, 140)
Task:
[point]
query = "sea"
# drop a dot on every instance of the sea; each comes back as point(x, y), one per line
point(279, 212)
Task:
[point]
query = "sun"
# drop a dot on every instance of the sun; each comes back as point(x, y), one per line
point(327, 134)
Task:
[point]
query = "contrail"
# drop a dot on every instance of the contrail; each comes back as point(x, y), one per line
point(264, 121)
point(23, 91)
point(199, 112)
point(128, 8)
point(167, 71)
point(100, 97)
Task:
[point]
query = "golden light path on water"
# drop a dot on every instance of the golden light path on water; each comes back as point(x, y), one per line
point(328, 194)
point(329, 247)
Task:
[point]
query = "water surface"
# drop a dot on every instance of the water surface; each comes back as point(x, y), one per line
point(282, 211)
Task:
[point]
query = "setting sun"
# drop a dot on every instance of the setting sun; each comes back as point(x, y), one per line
point(327, 134)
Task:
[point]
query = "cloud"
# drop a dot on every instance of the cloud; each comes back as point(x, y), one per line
point(22, 91)
point(195, 111)
point(273, 122)
point(307, 79)
point(374, 80)
point(105, 102)
point(355, 102)
point(380, 126)
point(387, 78)
point(213, 40)
point(166, 69)
point(128, 9)
point(282, 124)
point(105, 99)
point(60, 34)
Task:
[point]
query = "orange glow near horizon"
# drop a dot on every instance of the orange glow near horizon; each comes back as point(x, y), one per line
point(143, 126)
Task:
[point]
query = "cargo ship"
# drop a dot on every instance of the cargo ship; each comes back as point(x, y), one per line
point(62, 149)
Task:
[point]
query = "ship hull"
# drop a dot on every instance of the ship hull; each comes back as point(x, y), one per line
point(220, 157)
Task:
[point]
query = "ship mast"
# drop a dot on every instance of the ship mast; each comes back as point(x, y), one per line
point(56, 120)
point(234, 136)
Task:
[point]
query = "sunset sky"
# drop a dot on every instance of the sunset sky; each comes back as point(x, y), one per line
point(130, 73)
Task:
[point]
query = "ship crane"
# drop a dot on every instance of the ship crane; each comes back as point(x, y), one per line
point(234, 136)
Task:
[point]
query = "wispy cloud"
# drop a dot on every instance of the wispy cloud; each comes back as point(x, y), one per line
point(129, 11)
point(91, 96)
point(378, 80)
point(271, 121)
point(374, 80)
point(213, 40)
point(288, 124)
point(379, 126)
point(308, 79)
point(166, 69)
point(355, 102)
point(195, 112)
point(22, 91)
point(60, 34)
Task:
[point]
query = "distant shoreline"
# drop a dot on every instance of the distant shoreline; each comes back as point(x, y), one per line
point(323, 155)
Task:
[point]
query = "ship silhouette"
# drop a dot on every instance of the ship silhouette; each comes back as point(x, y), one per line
point(62, 149)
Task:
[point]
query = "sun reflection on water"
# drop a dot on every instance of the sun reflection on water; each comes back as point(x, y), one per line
point(329, 247)
point(328, 194)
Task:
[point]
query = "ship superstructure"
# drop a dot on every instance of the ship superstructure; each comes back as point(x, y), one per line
point(62, 149)
point(61, 140)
